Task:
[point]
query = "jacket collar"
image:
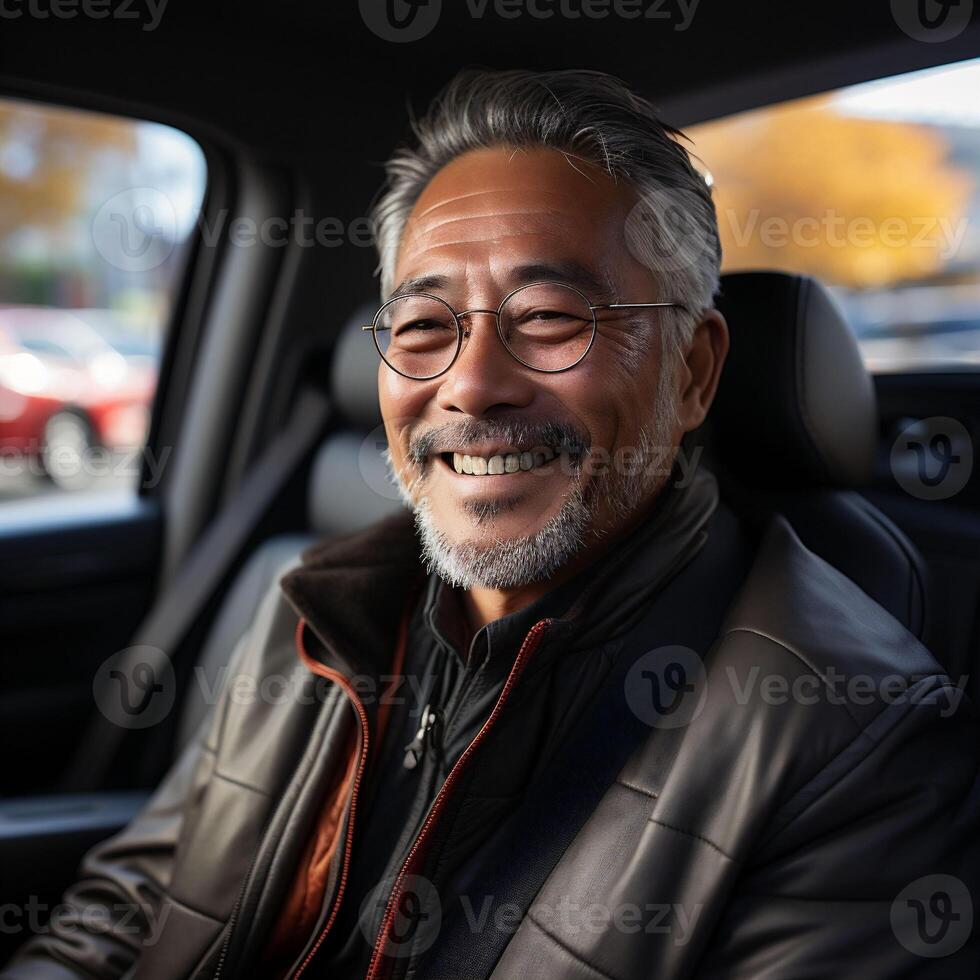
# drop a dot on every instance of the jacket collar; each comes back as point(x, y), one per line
point(354, 591)
point(616, 590)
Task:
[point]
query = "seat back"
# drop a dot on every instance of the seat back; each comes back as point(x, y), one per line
point(794, 429)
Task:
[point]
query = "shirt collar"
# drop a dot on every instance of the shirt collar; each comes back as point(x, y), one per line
point(444, 615)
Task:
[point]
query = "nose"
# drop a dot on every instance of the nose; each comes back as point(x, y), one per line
point(485, 377)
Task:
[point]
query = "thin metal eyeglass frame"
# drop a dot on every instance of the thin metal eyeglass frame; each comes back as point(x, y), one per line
point(457, 317)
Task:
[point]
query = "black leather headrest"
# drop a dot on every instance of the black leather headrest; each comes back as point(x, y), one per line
point(354, 373)
point(795, 405)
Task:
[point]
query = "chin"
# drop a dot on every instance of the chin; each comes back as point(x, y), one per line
point(500, 554)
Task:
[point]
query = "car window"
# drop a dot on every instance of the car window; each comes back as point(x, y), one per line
point(96, 213)
point(875, 189)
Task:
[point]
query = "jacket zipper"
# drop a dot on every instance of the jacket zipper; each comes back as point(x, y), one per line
point(341, 681)
point(530, 644)
point(436, 723)
point(246, 882)
point(423, 737)
point(431, 721)
point(446, 717)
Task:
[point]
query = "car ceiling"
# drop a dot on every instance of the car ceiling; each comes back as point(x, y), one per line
point(298, 75)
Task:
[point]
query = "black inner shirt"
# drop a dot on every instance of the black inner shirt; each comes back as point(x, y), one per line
point(461, 684)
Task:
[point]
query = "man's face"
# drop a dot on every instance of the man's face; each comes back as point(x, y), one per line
point(489, 222)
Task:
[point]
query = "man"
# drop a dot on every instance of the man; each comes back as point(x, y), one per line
point(539, 750)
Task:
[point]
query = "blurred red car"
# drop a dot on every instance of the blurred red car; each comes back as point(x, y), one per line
point(64, 388)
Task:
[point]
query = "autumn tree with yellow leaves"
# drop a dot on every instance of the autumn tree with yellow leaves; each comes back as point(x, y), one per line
point(46, 160)
point(858, 202)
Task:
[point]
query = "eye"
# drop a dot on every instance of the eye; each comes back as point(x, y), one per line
point(547, 314)
point(549, 319)
point(419, 326)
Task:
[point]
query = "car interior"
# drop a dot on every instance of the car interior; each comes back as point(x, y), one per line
point(265, 407)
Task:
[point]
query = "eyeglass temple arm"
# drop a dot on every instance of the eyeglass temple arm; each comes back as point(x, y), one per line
point(638, 306)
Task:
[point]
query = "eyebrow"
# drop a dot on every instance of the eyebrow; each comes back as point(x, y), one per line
point(571, 273)
point(594, 284)
point(420, 284)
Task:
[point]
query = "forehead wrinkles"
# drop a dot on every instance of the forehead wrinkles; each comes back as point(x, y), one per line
point(491, 216)
point(493, 207)
point(489, 198)
point(485, 229)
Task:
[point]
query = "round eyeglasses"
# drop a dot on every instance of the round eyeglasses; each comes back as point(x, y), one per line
point(546, 326)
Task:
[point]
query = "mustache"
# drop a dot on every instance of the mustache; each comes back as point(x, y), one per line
point(559, 435)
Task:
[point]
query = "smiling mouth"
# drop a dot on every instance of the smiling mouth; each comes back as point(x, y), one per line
point(500, 464)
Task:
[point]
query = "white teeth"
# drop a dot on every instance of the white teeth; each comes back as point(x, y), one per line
point(502, 463)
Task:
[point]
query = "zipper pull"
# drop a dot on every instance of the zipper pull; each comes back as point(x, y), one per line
point(416, 748)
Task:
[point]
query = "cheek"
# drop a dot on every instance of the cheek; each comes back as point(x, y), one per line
point(402, 402)
point(611, 403)
point(596, 398)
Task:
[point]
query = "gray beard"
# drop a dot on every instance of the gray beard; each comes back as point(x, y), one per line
point(488, 561)
point(495, 563)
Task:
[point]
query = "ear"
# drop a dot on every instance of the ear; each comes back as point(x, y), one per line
point(697, 379)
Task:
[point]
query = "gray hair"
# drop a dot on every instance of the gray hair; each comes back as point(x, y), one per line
point(592, 116)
